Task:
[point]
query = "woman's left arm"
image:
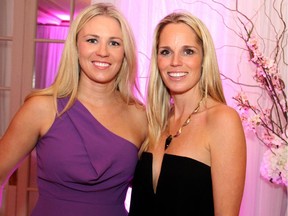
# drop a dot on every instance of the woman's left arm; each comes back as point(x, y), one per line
point(228, 161)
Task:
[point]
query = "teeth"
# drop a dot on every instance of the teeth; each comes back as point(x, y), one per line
point(101, 64)
point(177, 74)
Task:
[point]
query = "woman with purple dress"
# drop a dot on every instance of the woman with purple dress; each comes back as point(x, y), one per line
point(87, 126)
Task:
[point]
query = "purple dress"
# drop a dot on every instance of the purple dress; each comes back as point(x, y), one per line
point(83, 168)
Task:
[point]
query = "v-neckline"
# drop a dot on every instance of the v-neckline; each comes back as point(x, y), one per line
point(165, 155)
point(160, 171)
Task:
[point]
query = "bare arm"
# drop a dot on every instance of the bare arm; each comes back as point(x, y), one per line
point(29, 123)
point(228, 161)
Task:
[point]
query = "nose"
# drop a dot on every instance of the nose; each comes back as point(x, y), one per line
point(176, 60)
point(102, 50)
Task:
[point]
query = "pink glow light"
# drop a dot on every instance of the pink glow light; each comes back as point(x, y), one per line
point(63, 17)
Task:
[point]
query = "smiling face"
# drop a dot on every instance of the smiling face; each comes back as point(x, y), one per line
point(100, 49)
point(179, 58)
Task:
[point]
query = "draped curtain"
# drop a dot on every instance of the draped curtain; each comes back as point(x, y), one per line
point(48, 55)
point(261, 198)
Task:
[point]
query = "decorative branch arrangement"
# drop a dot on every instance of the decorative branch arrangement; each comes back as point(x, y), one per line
point(269, 122)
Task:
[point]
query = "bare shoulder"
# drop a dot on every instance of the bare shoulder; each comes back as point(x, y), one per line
point(223, 115)
point(39, 106)
point(40, 110)
point(224, 127)
point(40, 102)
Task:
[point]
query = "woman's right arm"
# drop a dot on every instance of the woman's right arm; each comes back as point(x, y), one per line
point(31, 121)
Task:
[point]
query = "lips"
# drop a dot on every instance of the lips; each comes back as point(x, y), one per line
point(101, 65)
point(177, 74)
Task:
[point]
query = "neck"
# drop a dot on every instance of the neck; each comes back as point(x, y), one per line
point(183, 106)
point(187, 115)
point(97, 92)
point(185, 123)
point(98, 97)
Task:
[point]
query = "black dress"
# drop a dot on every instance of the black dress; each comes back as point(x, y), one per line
point(184, 188)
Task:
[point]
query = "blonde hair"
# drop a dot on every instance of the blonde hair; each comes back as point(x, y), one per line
point(67, 79)
point(158, 97)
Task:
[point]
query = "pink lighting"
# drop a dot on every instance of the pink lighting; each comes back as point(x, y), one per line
point(52, 12)
point(56, 19)
point(63, 17)
point(260, 198)
point(45, 19)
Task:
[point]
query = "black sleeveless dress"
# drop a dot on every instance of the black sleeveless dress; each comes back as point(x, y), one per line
point(184, 188)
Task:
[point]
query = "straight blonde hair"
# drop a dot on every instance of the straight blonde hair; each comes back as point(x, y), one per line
point(158, 96)
point(67, 79)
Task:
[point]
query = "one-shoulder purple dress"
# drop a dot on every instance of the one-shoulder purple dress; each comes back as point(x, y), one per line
point(83, 168)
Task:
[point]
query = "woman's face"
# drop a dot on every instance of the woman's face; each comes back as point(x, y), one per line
point(179, 58)
point(100, 49)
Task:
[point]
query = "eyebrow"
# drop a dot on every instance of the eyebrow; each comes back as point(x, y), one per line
point(164, 47)
point(184, 46)
point(97, 36)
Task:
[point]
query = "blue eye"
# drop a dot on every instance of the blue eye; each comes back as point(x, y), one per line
point(92, 40)
point(114, 43)
point(188, 52)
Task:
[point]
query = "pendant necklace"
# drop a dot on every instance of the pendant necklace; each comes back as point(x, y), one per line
point(170, 137)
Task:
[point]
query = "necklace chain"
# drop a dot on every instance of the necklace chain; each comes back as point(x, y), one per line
point(186, 122)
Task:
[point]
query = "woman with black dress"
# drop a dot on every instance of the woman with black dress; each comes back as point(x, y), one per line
point(194, 159)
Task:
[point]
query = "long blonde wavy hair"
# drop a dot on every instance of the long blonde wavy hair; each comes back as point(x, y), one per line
point(67, 79)
point(158, 97)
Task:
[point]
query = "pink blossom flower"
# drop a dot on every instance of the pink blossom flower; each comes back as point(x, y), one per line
point(262, 120)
